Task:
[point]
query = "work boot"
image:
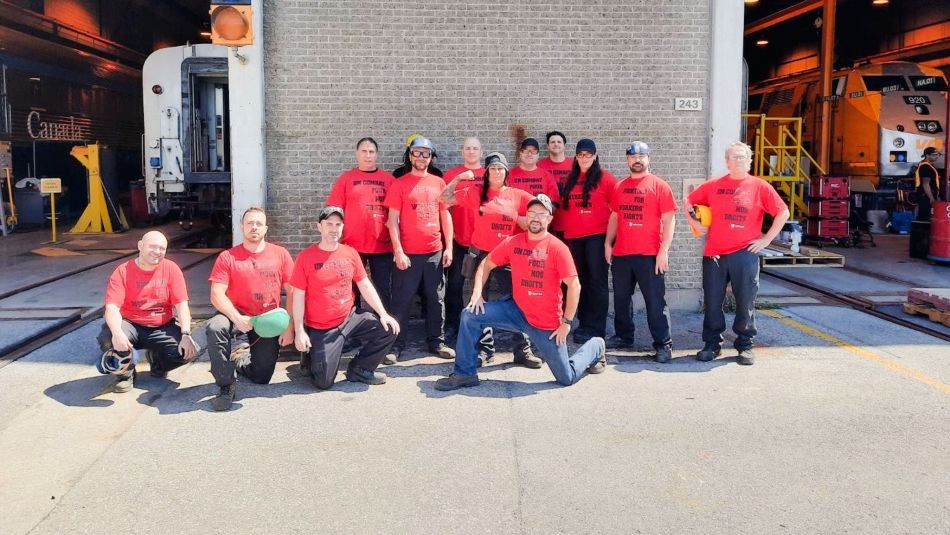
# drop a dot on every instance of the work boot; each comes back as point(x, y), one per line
point(525, 357)
point(619, 342)
point(390, 358)
point(355, 374)
point(442, 351)
point(454, 382)
point(599, 365)
point(124, 383)
point(663, 355)
point(222, 402)
point(745, 357)
point(708, 353)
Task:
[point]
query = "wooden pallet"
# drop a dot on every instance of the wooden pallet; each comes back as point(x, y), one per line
point(938, 298)
point(806, 257)
point(937, 316)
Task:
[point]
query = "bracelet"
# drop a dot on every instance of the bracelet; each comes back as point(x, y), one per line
point(566, 321)
point(186, 333)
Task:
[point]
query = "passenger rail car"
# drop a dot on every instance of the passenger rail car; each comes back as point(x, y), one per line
point(883, 116)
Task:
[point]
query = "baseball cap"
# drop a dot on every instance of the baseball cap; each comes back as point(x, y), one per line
point(638, 147)
point(328, 211)
point(586, 144)
point(530, 142)
point(544, 201)
point(496, 158)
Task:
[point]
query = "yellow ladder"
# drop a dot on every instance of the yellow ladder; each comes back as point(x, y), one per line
point(786, 172)
point(95, 218)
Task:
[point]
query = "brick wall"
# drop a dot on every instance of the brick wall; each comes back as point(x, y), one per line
point(605, 69)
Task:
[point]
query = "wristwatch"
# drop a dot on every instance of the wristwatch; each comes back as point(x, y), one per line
point(566, 321)
point(186, 333)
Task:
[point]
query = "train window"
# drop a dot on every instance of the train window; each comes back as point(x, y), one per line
point(885, 84)
point(928, 83)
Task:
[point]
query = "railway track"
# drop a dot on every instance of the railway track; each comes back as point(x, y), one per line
point(862, 304)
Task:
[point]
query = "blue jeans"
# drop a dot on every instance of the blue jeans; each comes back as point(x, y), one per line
point(505, 315)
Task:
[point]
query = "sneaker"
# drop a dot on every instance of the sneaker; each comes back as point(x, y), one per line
point(708, 353)
point(390, 358)
point(224, 399)
point(745, 357)
point(241, 355)
point(442, 351)
point(525, 357)
point(485, 358)
point(663, 355)
point(619, 342)
point(454, 382)
point(599, 365)
point(124, 383)
point(356, 374)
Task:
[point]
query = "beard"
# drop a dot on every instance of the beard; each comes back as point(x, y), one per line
point(535, 228)
point(420, 166)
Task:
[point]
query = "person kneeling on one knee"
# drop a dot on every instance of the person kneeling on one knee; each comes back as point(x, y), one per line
point(323, 308)
point(539, 264)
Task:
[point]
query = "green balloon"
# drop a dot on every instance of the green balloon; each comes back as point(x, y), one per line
point(271, 323)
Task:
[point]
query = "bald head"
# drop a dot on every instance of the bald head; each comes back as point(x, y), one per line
point(472, 152)
point(152, 248)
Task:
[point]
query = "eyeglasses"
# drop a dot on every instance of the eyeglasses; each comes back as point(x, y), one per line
point(529, 151)
point(420, 154)
point(738, 157)
point(537, 215)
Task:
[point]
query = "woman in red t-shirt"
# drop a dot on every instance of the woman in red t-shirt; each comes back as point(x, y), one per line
point(584, 212)
point(499, 213)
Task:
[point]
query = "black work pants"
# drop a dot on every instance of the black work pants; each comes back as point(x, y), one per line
point(592, 271)
point(629, 271)
point(264, 352)
point(425, 272)
point(740, 268)
point(454, 287)
point(380, 274)
point(161, 342)
point(326, 346)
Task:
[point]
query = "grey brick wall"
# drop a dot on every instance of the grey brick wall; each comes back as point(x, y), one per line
point(340, 70)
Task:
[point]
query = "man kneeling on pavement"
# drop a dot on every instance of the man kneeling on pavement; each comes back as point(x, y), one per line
point(323, 309)
point(539, 264)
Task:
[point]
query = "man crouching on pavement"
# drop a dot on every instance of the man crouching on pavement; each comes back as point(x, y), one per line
point(324, 314)
point(539, 264)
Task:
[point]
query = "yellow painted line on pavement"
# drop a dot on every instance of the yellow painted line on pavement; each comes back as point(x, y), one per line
point(861, 352)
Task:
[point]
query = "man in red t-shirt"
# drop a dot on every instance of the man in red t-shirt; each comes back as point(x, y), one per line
point(361, 192)
point(738, 202)
point(639, 235)
point(559, 165)
point(324, 313)
point(246, 281)
point(143, 298)
point(528, 176)
point(463, 222)
point(540, 263)
point(421, 231)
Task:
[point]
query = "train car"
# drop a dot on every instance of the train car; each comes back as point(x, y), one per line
point(883, 116)
point(186, 145)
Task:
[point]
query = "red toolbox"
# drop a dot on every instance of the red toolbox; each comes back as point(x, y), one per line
point(830, 187)
point(829, 209)
point(828, 228)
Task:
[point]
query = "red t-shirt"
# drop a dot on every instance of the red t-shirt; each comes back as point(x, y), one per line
point(147, 297)
point(639, 204)
point(580, 219)
point(254, 280)
point(463, 219)
point(417, 200)
point(498, 217)
point(361, 195)
point(559, 170)
point(537, 268)
point(327, 277)
point(534, 182)
point(737, 211)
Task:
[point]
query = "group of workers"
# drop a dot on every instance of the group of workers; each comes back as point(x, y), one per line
point(541, 237)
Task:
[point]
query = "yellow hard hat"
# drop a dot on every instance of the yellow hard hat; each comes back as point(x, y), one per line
point(412, 137)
